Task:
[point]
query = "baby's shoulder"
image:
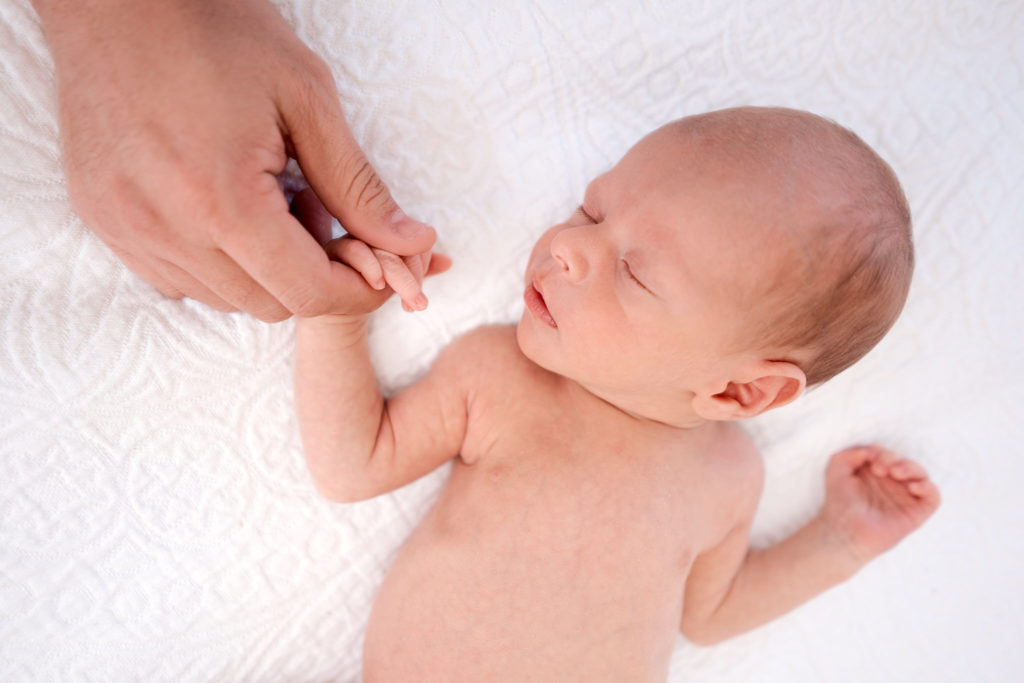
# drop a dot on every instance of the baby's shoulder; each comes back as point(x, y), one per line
point(485, 346)
point(482, 352)
point(487, 336)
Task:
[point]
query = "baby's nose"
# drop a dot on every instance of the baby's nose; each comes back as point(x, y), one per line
point(568, 249)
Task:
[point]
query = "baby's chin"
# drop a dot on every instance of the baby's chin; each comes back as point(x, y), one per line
point(524, 343)
point(520, 333)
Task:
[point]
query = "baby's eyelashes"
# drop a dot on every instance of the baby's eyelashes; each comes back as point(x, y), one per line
point(631, 275)
point(586, 214)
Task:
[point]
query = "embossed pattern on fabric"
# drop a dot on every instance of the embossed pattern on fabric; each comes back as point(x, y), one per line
point(156, 519)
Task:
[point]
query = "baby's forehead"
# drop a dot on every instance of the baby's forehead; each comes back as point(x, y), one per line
point(761, 141)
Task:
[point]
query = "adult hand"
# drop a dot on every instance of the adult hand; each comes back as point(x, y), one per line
point(176, 117)
point(375, 273)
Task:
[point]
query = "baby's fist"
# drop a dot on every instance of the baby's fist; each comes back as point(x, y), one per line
point(874, 498)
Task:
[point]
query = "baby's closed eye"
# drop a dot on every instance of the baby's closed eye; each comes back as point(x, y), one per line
point(628, 271)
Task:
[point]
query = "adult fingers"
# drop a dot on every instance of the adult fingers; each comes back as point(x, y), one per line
point(439, 263)
point(222, 274)
point(150, 274)
point(172, 281)
point(281, 256)
point(309, 210)
point(194, 288)
point(339, 171)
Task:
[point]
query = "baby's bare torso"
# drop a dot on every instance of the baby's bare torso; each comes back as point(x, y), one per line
point(560, 546)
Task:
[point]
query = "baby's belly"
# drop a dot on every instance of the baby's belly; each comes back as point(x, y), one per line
point(550, 588)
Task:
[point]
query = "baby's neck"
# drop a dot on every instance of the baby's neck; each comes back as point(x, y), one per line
point(676, 413)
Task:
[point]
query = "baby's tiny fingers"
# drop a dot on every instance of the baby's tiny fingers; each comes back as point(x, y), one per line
point(400, 279)
point(417, 265)
point(907, 469)
point(358, 255)
point(926, 492)
point(883, 461)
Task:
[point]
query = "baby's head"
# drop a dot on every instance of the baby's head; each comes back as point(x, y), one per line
point(728, 260)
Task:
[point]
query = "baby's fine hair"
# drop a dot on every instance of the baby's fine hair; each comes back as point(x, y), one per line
point(845, 284)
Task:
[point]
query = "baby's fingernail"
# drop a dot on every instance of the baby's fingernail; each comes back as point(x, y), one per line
point(407, 227)
point(420, 302)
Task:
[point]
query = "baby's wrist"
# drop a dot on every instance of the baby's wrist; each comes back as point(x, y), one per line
point(848, 557)
point(338, 325)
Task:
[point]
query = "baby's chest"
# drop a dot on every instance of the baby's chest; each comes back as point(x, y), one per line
point(540, 471)
point(576, 498)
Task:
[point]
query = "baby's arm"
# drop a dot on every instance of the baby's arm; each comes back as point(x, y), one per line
point(357, 444)
point(873, 499)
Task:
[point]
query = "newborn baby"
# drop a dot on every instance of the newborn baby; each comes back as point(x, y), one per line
point(602, 493)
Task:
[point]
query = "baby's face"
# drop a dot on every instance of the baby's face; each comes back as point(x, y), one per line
point(640, 295)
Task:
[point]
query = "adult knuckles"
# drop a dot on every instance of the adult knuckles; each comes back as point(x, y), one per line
point(179, 209)
point(199, 208)
point(363, 187)
point(320, 78)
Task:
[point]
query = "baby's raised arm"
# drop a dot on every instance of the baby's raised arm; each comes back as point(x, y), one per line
point(357, 444)
point(873, 499)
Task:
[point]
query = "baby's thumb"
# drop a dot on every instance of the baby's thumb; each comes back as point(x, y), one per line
point(346, 182)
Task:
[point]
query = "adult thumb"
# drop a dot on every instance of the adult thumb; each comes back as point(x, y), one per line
point(346, 182)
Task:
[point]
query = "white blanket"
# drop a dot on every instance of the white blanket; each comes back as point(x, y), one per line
point(156, 519)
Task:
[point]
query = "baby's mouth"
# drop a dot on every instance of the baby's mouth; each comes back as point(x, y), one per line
point(535, 304)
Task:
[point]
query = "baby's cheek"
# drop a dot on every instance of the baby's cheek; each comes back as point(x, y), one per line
point(542, 249)
point(604, 339)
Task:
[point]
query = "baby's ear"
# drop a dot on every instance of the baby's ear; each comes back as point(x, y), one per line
point(754, 389)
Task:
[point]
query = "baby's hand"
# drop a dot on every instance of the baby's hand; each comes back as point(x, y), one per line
point(874, 498)
point(382, 269)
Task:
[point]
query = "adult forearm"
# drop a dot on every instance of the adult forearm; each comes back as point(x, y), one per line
point(59, 13)
point(775, 580)
point(338, 402)
point(53, 9)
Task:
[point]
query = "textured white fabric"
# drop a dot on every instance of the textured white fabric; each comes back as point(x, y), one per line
point(156, 519)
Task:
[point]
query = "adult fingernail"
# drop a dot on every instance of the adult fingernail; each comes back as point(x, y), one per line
point(407, 227)
point(420, 302)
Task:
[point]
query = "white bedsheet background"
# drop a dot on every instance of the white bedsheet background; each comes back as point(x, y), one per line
point(156, 519)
